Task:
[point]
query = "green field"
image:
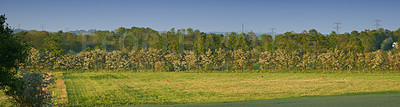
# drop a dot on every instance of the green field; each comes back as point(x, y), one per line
point(216, 88)
point(147, 88)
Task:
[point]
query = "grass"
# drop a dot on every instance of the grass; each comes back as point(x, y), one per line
point(144, 88)
point(58, 90)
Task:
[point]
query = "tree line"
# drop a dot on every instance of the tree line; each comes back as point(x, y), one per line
point(187, 49)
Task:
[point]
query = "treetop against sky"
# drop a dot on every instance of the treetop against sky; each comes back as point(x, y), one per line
point(206, 15)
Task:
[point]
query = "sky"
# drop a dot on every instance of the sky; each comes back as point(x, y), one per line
point(206, 15)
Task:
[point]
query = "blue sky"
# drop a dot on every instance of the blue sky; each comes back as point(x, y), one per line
point(205, 15)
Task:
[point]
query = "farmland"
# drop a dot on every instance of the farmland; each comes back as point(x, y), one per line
point(160, 88)
point(199, 53)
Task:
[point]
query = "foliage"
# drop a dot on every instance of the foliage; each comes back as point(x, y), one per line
point(175, 61)
point(12, 53)
point(31, 89)
point(187, 49)
point(207, 60)
point(241, 59)
point(266, 60)
point(191, 60)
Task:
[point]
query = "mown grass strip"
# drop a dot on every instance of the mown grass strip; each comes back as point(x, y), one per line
point(143, 88)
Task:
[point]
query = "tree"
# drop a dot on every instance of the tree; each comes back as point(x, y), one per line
point(27, 90)
point(332, 41)
point(173, 41)
point(266, 43)
point(188, 39)
point(354, 44)
point(231, 41)
point(387, 44)
point(241, 42)
point(12, 53)
point(155, 41)
point(396, 35)
point(209, 42)
point(380, 37)
point(54, 45)
point(368, 42)
point(33, 60)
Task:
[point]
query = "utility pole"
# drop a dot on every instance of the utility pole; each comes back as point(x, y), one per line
point(377, 23)
point(337, 27)
point(272, 31)
point(19, 26)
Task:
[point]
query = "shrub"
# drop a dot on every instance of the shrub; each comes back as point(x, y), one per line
point(265, 60)
point(241, 58)
point(190, 59)
point(31, 89)
point(207, 60)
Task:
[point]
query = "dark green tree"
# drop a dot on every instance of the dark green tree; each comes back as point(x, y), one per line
point(241, 42)
point(396, 35)
point(232, 41)
point(380, 36)
point(368, 42)
point(12, 53)
point(54, 45)
point(354, 45)
point(332, 41)
point(188, 39)
point(387, 44)
point(266, 41)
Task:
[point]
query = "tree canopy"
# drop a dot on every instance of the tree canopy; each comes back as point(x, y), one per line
point(12, 53)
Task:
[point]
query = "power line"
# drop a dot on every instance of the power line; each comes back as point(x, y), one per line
point(377, 23)
point(337, 27)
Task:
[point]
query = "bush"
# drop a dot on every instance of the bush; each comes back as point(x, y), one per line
point(31, 89)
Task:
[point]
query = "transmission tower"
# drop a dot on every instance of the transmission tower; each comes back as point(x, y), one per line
point(272, 30)
point(242, 27)
point(42, 27)
point(377, 24)
point(337, 27)
point(19, 26)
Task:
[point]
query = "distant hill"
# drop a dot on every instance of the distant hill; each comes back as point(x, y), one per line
point(258, 34)
point(83, 32)
point(78, 32)
point(18, 30)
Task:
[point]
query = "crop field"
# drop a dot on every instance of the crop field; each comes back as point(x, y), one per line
point(160, 88)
